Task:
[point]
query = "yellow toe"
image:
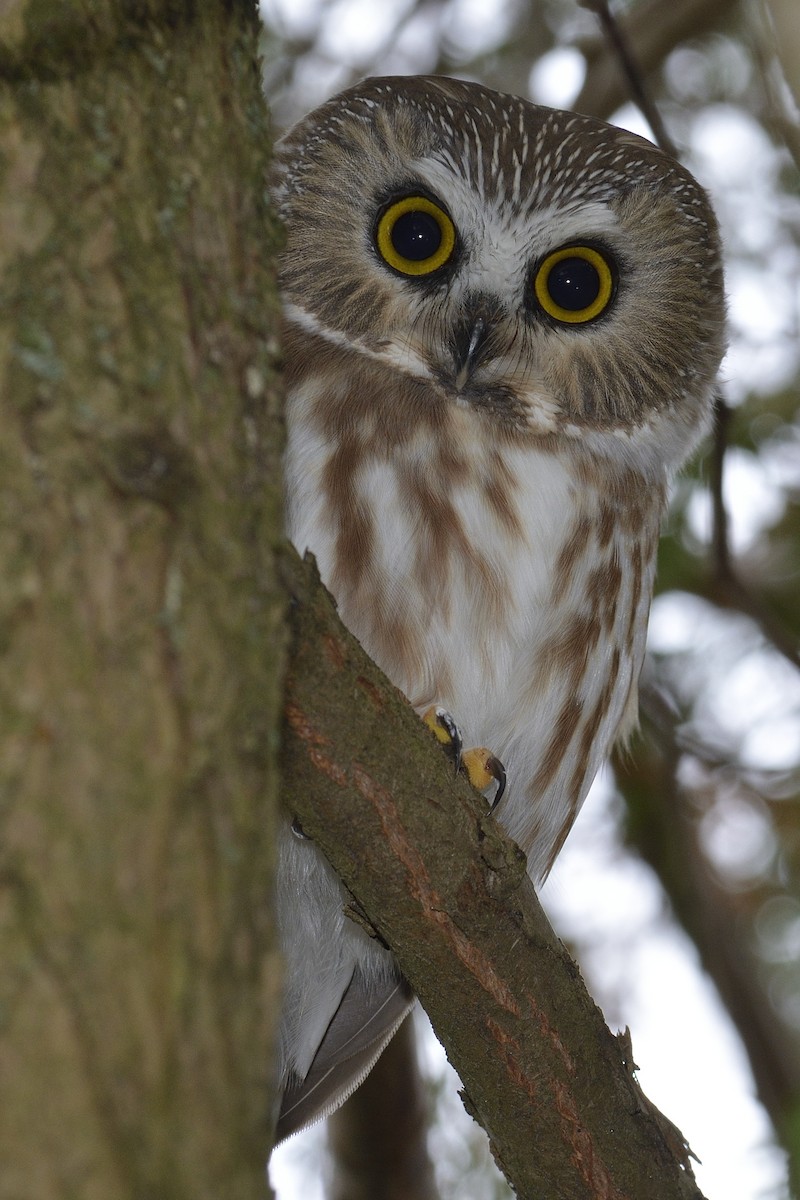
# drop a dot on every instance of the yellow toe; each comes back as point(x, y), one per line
point(444, 729)
point(484, 768)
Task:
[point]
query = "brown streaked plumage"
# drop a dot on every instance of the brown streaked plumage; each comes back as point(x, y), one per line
point(486, 401)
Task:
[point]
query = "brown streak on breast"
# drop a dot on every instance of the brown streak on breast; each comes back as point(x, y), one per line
point(636, 581)
point(440, 539)
point(566, 653)
point(438, 533)
point(605, 525)
point(390, 639)
point(500, 489)
point(572, 551)
point(602, 591)
point(353, 524)
point(590, 727)
point(563, 732)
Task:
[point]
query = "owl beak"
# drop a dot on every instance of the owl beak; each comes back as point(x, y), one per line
point(475, 339)
point(470, 349)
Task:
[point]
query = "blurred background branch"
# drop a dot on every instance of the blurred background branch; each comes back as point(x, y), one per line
point(651, 30)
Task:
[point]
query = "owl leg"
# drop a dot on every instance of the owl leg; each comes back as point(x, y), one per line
point(481, 767)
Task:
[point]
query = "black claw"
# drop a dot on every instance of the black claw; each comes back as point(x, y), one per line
point(496, 768)
point(455, 745)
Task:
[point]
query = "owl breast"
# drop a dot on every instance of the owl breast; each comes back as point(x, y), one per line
point(507, 583)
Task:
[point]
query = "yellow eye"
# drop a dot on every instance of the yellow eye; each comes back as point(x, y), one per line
point(414, 236)
point(574, 284)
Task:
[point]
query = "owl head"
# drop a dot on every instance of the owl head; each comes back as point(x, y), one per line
point(552, 275)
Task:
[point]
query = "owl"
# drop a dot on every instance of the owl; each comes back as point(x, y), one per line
point(502, 325)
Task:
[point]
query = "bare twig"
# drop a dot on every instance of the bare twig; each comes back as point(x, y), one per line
point(652, 29)
point(667, 835)
point(633, 75)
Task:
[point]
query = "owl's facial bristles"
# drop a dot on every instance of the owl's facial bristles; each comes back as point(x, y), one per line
point(463, 379)
point(469, 361)
point(498, 384)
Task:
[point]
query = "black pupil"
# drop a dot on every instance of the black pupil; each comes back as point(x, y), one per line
point(573, 284)
point(416, 235)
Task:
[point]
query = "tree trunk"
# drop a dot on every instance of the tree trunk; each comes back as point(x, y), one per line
point(142, 616)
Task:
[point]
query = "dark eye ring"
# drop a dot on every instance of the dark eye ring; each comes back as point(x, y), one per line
point(574, 284)
point(415, 236)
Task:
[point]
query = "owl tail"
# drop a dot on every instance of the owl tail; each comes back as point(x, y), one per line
point(364, 1023)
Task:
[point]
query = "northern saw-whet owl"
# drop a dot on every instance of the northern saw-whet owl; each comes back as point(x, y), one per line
point(502, 325)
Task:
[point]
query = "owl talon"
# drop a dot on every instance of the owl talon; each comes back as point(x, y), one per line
point(444, 729)
point(482, 768)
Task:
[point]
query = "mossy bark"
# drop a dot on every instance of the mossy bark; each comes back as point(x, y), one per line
point(141, 614)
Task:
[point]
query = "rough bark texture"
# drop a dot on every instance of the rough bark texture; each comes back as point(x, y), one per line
point(141, 616)
point(448, 892)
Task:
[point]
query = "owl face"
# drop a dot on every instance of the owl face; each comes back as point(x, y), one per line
point(546, 272)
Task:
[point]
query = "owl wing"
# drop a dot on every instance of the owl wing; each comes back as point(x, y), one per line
point(368, 1016)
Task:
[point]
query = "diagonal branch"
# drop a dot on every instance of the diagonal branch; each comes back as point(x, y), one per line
point(448, 892)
